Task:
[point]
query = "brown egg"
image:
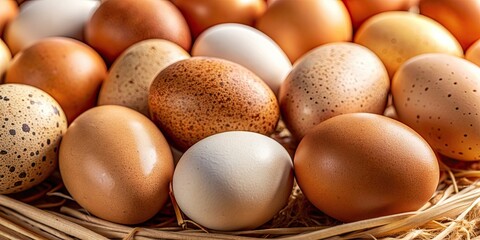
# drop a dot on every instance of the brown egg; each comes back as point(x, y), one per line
point(473, 53)
point(8, 11)
point(202, 14)
point(299, 26)
point(360, 165)
point(116, 164)
point(118, 24)
point(459, 17)
point(67, 69)
point(330, 80)
point(198, 97)
point(32, 124)
point(361, 10)
point(438, 95)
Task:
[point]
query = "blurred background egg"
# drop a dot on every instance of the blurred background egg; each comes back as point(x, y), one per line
point(299, 26)
point(8, 11)
point(48, 18)
point(397, 36)
point(330, 80)
point(32, 125)
point(459, 17)
point(438, 95)
point(233, 180)
point(129, 79)
point(473, 53)
point(248, 47)
point(198, 97)
point(202, 14)
point(361, 165)
point(118, 24)
point(68, 70)
point(5, 57)
point(116, 164)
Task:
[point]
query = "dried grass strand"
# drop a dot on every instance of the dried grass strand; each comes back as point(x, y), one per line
point(20, 229)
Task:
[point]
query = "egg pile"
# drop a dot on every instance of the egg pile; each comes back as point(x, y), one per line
point(373, 94)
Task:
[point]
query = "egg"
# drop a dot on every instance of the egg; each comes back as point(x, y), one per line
point(32, 124)
point(233, 180)
point(330, 80)
point(438, 96)
point(48, 18)
point(116, 164)
point(118, 24)
point(248, 47)
point(5, 57)
point(68, 70)
point(8, 11)
point(202, 14)
point(473, 53)
point(198, 97)
point(299, 26)
point(397, 36)
point(131, 75)
point(360, 165)
point(459, 17)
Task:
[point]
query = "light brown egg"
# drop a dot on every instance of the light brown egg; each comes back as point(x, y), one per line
point(5, 57)
point(8, 11)
point(438, 95)
point(116, 164)
point(31, 126)
point(473, 53)
point(118, 24)
point(360, 165)
point(198, 97)
point(397, 36)
point(133, 72)
point(202, 14)
point(299, 26)
point(330, 80)
point(459, 17)
point(68, 70)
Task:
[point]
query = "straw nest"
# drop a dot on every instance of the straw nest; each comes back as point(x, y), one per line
point(48, 212)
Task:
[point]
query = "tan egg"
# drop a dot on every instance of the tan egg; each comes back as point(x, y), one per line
point(299, 26)
point(116, 164)
point(473, 53)
point(198, 97)
point(8, 11)
point(360, 165)
point(133, 72)
point(330, 80)
point(397, 36)
point(5, 57)
point(438, 95)
point(31, 126)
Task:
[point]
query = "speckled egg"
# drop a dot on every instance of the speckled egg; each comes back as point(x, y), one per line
point(438, 95)
point(330, 80)
point(32, 124)
point(198, 97)
point(132, 73)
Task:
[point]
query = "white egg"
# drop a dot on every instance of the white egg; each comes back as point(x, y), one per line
point(233, 180)
point(5, 57)
point(248, 47)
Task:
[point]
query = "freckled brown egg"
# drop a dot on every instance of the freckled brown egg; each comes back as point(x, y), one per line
point(68, 70)
point(31, 126)
point(130, 76)
point(361, 165)
point(330, 80)
point(438, 95)
point(198, 97)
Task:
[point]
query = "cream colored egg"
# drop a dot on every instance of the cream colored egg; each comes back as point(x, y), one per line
point(31, 126)
point(397, 36)
point(129, 79)
point(5, 57)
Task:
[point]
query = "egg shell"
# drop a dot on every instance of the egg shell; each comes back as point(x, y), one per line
point(118, 24)
point(397, 36)
point(8, 11)
point(299, 26)
point(198, 97)
point(5, 57)
point(330, 80)
point(438, 96)
point(248, 47)
point(361, 165)
point(473, 53)
point(32, 124)
point(48, 18)
point(116, 164)
point(129, 79)
point(68, 70)
point(233, 180)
